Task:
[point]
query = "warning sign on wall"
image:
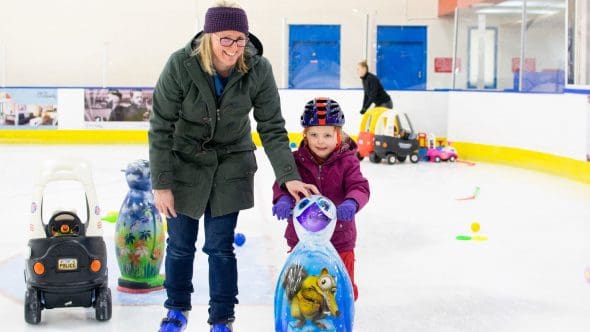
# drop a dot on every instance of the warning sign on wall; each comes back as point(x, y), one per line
point(443, 65)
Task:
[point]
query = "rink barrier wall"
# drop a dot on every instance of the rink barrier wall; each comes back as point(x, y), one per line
point(572, 169)
point(538, 161)
point(557, 124)
point(73, 136)
point(94, 137)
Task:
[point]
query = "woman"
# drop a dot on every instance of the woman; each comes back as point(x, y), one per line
point(202, 156)
point(374, 92)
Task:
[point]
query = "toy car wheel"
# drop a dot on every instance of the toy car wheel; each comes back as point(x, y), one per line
point(391, 159)
point(437, 159)
point(374, 158)
point(103, 304)
point(33, 306)
point(401, 159)
point(414, 158)
point(452, 159)
point(358, 155)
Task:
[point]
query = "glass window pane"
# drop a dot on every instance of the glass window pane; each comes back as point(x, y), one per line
point(490, 47)
point(487, 41)
point(544, 68)
point(578, 42)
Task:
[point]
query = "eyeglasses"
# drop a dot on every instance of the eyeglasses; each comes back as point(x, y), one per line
point(227, 42)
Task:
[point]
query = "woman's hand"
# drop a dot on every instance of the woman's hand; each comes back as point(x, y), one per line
point(164, 202)
point(296, 187)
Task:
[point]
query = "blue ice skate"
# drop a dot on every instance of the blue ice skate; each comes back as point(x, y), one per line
point(226, 327)
point(175, 321)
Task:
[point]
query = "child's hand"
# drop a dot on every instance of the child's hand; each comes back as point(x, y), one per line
point(346, 210)
point(283, 207)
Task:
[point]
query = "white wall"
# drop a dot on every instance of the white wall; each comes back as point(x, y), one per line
point(64, 42)
point(557, 124)
point(427, 109)
point(554, 124)
point(271, 23)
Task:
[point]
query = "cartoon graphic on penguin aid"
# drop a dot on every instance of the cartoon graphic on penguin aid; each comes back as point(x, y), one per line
point(314, 292)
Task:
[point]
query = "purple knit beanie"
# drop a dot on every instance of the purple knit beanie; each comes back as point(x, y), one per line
point(226, 18)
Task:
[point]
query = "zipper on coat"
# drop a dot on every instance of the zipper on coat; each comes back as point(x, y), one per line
point(232, 80)
point(320, 178)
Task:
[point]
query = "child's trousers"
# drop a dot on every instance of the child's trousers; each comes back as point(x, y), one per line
point(348, 259)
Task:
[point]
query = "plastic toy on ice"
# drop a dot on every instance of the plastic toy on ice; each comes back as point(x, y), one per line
point(314, 292)
point(139, 234)
point(436, 149)
point(387, 134)
point(66, 260)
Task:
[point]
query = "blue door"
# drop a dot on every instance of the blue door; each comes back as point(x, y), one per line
point(314, 56)
point(401, 57)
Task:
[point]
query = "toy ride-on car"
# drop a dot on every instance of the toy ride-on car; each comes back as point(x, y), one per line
point(366, 137)
point(444, 153)
point(436, 149)
point(395, 139)
point(66, 261)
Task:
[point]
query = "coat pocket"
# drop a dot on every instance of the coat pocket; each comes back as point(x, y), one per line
point(197, 115)
point(241, 166)
point(184, 170)
point(194, 123)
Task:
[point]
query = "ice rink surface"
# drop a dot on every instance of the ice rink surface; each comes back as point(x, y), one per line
point(413, 275)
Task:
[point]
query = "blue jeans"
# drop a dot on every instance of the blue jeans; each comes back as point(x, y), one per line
point(223, 272)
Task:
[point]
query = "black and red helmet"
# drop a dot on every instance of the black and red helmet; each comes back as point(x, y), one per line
point(322, 111)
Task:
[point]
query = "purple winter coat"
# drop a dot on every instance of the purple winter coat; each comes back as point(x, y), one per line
point(338, 178)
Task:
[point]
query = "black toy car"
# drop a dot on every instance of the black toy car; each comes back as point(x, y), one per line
point(395, 139)
point(67, 263)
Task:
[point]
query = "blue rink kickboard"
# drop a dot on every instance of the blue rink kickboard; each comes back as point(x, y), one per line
point(255, 282)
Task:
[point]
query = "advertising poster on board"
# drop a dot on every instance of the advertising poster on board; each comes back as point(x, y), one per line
point(27, 108)
point(117, 107)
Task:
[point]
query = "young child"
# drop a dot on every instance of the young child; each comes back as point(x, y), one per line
point(327, 159)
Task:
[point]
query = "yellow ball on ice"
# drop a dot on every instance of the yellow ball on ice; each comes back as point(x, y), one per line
point(475, 227)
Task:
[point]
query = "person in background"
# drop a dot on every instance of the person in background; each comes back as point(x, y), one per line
point(373, 90)
point(114, 103)
point(137, 111)
point(327, 159)
point(202, 157)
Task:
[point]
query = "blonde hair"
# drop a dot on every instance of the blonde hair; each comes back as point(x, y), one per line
point(205, 49)
point(364, 64)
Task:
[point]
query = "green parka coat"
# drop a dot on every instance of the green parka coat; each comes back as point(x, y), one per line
point(201, 146)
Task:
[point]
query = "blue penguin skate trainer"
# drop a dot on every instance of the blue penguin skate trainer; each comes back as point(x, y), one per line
point(314, 292)
point(175, 321)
